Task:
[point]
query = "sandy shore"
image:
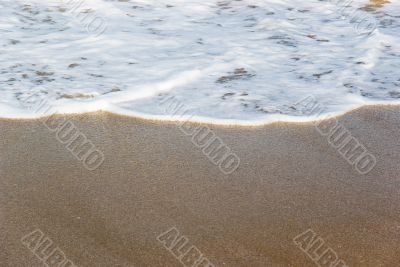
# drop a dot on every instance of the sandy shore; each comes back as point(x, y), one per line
point(153, 178)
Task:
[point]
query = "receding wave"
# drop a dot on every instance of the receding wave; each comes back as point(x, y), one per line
point(227, 62)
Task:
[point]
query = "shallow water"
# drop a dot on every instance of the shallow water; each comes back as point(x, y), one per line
point(244, 62)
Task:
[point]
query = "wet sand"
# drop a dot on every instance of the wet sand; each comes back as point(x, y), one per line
point(375, 4)
point(153, 178)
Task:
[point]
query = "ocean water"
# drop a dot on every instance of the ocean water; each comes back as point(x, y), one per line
point(229, 62)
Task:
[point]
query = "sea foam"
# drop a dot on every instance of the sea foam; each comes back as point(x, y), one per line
point(227, 62)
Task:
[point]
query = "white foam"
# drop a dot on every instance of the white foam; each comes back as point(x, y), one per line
point(227, 62)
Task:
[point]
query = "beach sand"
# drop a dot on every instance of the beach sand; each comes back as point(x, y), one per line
point(153, 178)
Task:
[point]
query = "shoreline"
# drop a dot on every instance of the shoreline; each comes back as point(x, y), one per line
point(208, 121)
